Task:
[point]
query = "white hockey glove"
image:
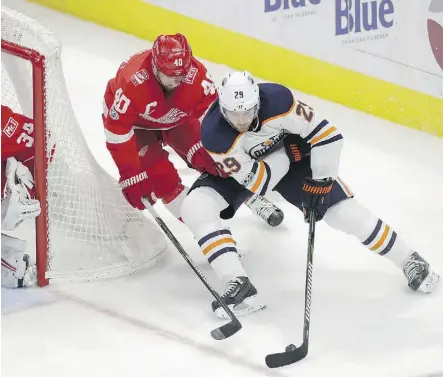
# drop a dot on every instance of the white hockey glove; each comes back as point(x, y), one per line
point(18, 177)
point(16, 271)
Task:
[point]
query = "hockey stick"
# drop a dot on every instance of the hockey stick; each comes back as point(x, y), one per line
point(293, 354)
point(226, 330)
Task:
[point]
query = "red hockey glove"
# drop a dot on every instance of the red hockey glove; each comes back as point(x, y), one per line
point(135, 186)
point(200, 160)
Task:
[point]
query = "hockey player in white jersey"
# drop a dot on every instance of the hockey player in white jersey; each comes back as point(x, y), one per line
point(17, 206)
point(267, 140)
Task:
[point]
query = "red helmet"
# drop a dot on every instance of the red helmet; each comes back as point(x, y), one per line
point(171, 54)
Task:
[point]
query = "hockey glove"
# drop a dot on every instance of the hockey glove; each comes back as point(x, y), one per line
point(200, 160)
point(296, 148)
point(135, 186)
point(19, 176)
point(315, 196)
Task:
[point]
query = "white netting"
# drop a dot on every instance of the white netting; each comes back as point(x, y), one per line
point(92, 231)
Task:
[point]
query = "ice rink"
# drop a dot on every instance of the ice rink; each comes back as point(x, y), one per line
point(364, 319)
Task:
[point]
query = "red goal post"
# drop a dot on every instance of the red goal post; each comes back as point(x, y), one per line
point(39, 144)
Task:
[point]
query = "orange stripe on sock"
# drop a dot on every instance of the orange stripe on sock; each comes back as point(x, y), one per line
point(382, 239)
point(216, 244)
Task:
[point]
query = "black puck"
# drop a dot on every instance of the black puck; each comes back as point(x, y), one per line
point(290, 348)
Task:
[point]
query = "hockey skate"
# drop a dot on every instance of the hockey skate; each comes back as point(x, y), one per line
point(240, 296)
point(419, 275)
point(265, 210)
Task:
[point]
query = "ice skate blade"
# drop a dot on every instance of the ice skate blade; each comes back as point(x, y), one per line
point(429, 283)
point(248, 306)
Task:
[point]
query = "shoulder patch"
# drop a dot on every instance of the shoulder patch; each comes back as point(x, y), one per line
point(190, 76)
point(10, 127)
point(216, 134)
point(275, 100)
point(139, 77)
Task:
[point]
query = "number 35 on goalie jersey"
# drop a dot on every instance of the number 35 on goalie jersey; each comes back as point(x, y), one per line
point(17, 135)
point(248, 157)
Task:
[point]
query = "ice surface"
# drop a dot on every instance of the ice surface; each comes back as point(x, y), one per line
point(364, 319)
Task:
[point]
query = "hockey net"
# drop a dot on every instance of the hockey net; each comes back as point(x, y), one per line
point(86, 229)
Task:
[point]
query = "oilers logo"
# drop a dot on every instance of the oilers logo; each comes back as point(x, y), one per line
point(266, 146)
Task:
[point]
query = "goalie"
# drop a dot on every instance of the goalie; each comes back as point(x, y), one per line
point(268, 140)
point(18, 203)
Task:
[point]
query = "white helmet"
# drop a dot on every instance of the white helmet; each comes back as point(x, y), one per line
point(239, 100)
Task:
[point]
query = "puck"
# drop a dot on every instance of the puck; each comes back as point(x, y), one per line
point(290, 348)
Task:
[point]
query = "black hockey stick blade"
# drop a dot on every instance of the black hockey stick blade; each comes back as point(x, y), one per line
point(226, 330)
point(290, 356)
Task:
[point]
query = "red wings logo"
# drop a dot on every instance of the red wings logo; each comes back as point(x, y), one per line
point(172, 116)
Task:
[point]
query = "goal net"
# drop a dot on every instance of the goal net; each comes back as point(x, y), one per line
point(86, 229)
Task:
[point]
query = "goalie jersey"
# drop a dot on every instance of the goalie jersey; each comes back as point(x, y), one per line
point(244, 156)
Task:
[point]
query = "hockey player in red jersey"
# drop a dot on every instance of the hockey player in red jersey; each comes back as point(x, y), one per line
point(17, 140)
point(18, 203)
point(156, 99)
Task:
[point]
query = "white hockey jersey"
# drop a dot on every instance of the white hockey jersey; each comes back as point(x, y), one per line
point(254, 158)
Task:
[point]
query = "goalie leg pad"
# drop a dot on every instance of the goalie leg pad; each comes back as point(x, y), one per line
point(16, 271)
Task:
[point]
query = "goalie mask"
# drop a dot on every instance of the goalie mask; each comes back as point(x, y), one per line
point(239, 100)
point(171, 60)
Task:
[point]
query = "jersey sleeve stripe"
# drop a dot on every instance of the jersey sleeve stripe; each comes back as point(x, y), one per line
point(118, 138)
point(280, 115)
point(323, 135)
point(193, 150)
point(260, 176)
point(254, 168)
point(268, 178)
point(230, 148)
point(330, 140)
point(320, 126)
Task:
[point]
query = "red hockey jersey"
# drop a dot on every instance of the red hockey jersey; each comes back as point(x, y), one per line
point(134, 99)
